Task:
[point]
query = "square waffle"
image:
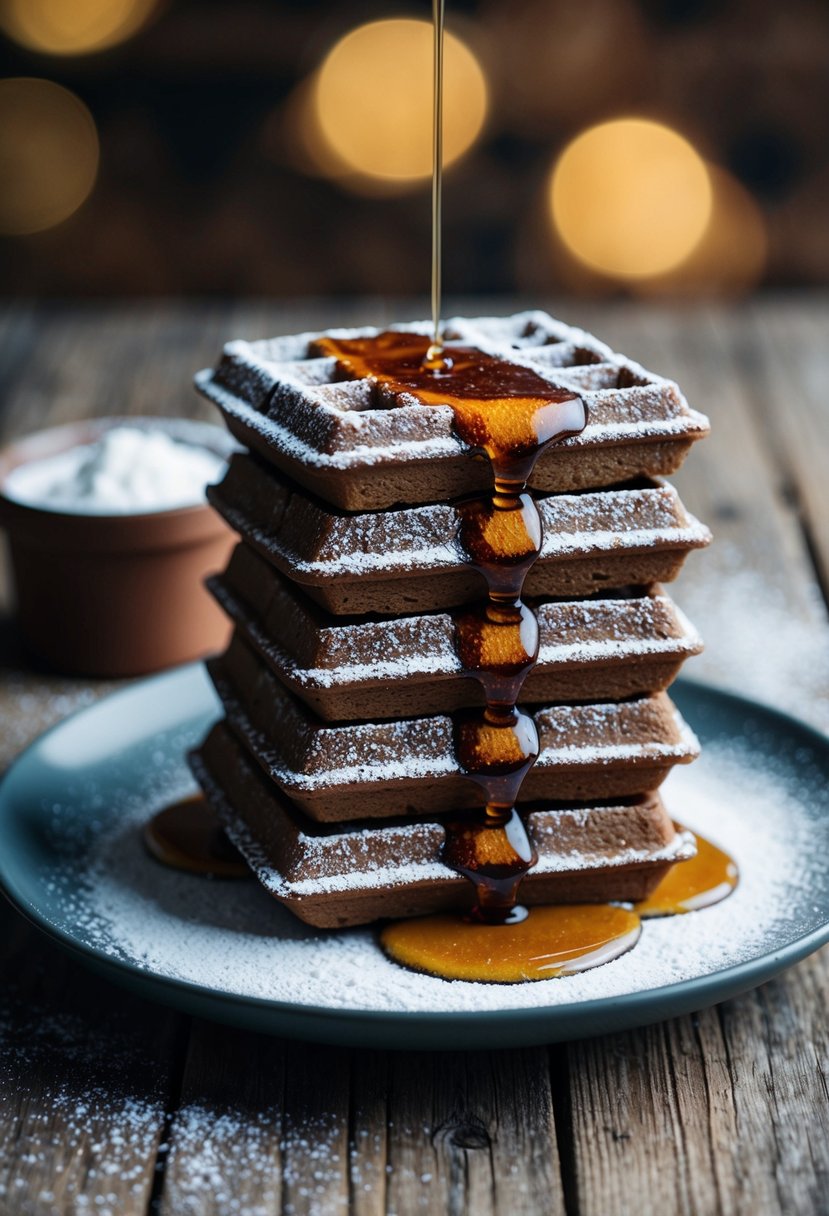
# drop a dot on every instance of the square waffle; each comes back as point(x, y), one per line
point(363, 448)
point(410, 559)
point(336, 769)
point(345, 669)
point(336, 772)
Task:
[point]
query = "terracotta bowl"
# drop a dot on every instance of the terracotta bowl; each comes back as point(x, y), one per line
point(115, 595)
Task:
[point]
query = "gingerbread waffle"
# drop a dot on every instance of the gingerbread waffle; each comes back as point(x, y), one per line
point(346, 669)
point(362, 448)
point(340, 772)
point(411, 560)
point(352, 874)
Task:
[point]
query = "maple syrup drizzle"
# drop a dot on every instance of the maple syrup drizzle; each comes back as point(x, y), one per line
point(188, 836)
point(703, 880)
point(510, 413)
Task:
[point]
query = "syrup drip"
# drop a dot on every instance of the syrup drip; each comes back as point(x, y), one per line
point(705, 879)
point(503, 409)
point(498, 645)
point(188, 836)
point(511, 414)
point(548, 942)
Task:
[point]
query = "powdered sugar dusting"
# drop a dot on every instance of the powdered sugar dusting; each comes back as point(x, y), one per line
point(333, 858)
point(303, 755)
point(234, 937)
point(282, 391)
point(102, 1092)
point(426, 538)
point(198, 1162)
point(753, 641)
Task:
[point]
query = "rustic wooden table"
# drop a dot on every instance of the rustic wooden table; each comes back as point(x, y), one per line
point(111, 1105)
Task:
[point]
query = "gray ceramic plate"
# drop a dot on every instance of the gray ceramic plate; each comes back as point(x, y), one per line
point(71, 860)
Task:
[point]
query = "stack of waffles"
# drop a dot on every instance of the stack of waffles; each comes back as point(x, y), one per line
point(334, 769)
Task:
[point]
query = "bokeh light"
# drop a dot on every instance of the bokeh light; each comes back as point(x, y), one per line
point(48, 154)
point(630, 198)
point(731, 257)
point(72, 27)
point(371, 102)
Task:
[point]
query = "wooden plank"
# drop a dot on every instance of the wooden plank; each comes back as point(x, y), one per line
point(472, 1133)
point(90, 362)
point(85, 1074)
point(726, 1112)
point(265, 1128)
point(223, 1152)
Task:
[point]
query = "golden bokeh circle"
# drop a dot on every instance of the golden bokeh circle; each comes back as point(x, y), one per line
point(372, 101)
point(731, 258)
point(48, 154)
point(630, 198)
point(72, 27)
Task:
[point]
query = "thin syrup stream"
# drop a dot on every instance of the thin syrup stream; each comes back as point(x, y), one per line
point(435, 351)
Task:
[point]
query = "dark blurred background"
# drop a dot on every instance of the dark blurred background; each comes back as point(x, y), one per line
point(250, 146)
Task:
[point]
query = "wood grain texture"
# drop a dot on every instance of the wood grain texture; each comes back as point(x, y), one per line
point(785, 363)
point(756, 584)
point(111, 1105)
point(85, 1077)
point(315, 1130)
point(472, 1133)
point(733, 480)
point(223, 1147)
point(724, 1112)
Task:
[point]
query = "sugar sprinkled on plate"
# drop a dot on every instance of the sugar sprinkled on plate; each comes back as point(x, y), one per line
point(236, 939)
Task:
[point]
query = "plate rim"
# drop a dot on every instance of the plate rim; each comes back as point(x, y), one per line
point(740, 976)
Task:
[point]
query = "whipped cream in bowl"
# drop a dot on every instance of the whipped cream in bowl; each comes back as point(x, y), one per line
point(111, 538)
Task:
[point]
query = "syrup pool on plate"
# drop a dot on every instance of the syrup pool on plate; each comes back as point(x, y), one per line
point(705, 879)
point(549, 941)
point(556, 940)
point(188, 836)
